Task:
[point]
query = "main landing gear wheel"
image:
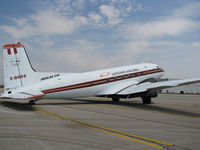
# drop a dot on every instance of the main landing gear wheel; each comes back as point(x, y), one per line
point(146, 100)
point(32, 102)
point(115, 99)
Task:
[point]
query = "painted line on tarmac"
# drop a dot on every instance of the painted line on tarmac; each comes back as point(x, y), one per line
point(113, 132)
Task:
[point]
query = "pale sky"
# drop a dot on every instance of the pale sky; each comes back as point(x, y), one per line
point(84, 35)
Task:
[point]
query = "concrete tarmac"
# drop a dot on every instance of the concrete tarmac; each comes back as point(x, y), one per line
point(171, 122)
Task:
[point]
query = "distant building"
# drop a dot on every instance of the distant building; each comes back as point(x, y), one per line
point(186, 89)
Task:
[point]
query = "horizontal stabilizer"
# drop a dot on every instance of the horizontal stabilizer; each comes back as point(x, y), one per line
point(31, 94)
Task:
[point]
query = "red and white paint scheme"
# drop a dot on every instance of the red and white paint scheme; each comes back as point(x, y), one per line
point(22, 82)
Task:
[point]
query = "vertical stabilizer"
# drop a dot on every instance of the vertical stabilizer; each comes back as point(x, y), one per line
point(17, 68)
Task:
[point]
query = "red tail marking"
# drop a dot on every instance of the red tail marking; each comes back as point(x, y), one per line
point(9, 51)
point(13, 45)
point(15, 50)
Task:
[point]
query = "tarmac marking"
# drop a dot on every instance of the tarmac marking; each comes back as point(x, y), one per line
point(113, 132)
point(53, 115)
point(129, 138)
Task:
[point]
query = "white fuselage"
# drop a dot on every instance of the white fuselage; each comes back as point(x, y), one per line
point(70, 85)
point(22, 82)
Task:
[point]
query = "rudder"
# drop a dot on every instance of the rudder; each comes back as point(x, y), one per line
point(17, 68)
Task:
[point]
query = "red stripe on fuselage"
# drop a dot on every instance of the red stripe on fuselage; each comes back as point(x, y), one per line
point(102, 81)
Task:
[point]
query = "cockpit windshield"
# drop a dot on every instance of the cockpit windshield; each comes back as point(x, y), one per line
point(159, 68)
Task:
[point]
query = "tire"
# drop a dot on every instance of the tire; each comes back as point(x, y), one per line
point(32, 102)
point(115, 99)
point(146, 100)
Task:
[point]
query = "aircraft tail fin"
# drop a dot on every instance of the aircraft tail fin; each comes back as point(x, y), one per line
point(17, 67)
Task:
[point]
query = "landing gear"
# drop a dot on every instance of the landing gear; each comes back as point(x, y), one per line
point(146, 100)
point(115, 99)
point(32, 102)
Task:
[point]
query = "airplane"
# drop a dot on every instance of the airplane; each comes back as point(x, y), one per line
point(22, 82)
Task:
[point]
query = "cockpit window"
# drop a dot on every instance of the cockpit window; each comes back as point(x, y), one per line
point(159, 68)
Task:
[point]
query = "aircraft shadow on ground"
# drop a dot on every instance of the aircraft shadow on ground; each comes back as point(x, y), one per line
point(160, 109)
point(76, 101)
point(17, 106)
point(133, 104)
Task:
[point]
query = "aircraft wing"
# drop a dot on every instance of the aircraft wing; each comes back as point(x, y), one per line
point(118, 87)
point(143, 87)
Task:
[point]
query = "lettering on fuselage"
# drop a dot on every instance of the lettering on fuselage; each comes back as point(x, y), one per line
point(50, 77)
point(125, 71)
